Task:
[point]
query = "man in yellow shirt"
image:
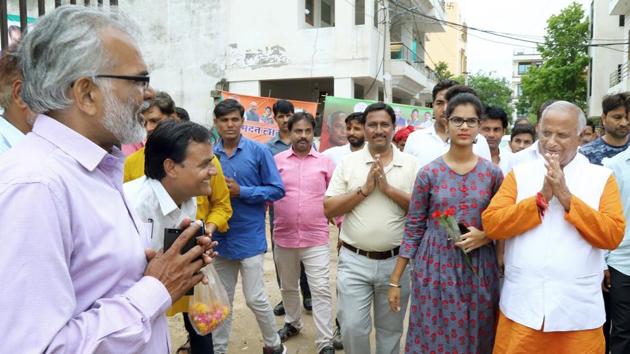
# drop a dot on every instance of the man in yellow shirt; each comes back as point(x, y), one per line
point(161, 107)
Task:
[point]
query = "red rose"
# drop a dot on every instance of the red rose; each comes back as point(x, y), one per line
point(436, 214)
point(450, 212)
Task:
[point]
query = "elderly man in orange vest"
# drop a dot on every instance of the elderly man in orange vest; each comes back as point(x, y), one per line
point(558, 214)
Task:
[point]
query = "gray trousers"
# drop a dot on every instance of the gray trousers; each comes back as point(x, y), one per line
point(251, 270)
point(362, 285)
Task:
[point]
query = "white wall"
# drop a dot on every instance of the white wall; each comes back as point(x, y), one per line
point(182, 43)
point(604, 60)
point(288, 49)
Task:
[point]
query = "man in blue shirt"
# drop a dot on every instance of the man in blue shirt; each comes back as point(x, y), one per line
point(619, 263)
point(616, 128)
point(253, 179)
point(282, 111)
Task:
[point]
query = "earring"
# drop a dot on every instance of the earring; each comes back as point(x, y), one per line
point(448, 140)
point(475, 141)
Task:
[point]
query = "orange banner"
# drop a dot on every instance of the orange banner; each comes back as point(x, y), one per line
point(259, 124)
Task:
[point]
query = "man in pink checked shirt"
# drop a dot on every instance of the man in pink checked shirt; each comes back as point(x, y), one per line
point(301, 231)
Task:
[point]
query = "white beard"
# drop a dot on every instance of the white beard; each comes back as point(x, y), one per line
point(123, 120)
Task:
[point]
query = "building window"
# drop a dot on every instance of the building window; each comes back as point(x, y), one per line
point(523, 68)
point(319, 13)
point(622, 20)
point(359, 12)
point(376, 13)
point(519, 91)
point(309, 12)
point(328, 13)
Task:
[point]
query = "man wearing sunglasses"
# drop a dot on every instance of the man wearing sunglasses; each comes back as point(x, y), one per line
point(81, 274)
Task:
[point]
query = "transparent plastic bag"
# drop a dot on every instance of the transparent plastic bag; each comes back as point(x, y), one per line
point(209, 305)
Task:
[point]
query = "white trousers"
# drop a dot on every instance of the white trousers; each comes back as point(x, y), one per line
point(251, 270)
point(316, 262)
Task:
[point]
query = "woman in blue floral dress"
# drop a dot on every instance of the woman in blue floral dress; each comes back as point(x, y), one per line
point(454, 299)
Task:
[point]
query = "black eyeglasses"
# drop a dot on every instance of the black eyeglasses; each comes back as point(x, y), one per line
point(470, 122)
point(140, 80)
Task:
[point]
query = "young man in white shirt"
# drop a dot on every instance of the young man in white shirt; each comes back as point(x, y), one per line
point(178, 167)
point(428, 144)
point(493, 126)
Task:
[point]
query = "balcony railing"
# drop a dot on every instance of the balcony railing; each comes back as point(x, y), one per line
point(399, 51)
point(619, 74)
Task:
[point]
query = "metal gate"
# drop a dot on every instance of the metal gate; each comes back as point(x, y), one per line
point(41, 10)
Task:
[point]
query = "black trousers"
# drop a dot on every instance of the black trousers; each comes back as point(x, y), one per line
point(198, 344)
point(606, 326)
point(304, 288)
point(619, 296)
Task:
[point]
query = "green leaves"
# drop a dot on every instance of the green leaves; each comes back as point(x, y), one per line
point(492, 91)
point(562, 75)
point(442, 72)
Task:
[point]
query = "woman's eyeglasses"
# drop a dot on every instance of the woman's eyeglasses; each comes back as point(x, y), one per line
point(470, 122)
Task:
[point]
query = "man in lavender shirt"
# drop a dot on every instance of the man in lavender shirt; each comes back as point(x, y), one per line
point(76, 273)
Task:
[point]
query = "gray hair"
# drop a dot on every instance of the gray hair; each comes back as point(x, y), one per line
point(64, 46)
point(567, 106)
point(334, 116)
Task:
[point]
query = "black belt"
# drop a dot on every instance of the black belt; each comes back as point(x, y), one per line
point(371, 254)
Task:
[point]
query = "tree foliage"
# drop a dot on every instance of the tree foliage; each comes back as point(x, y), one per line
point(442, 72)
point(562, 76)
point(492, 91)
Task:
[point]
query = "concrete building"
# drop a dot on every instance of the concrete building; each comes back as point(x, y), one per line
point(183, 44)
point(522, 60)
point(609, 73)
point(606, 63)
point(303, 50)
point(328, 47)
point(449, 46)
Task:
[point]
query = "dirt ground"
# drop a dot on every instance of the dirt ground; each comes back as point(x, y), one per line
point(245, 337)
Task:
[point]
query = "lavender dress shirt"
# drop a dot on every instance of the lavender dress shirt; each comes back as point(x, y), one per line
point(72, 252)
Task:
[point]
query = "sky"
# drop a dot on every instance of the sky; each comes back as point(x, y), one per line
point(526, 18)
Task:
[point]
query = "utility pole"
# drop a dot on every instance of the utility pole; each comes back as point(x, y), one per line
point(387, 57)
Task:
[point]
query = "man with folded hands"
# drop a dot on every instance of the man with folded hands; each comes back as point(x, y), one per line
point(372, 187)
point(558, 214)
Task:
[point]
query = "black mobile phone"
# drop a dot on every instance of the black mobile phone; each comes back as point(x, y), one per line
point(170, 235)
point(462, 228)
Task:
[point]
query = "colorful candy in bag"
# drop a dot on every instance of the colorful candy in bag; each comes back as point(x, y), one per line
point(209, 305)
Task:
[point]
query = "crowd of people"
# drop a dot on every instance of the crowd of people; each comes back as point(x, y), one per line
point(488, 246)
